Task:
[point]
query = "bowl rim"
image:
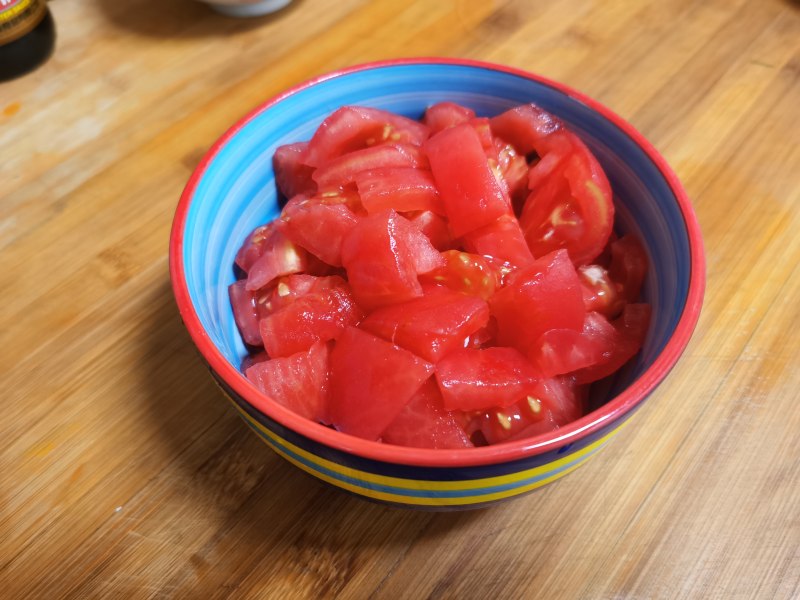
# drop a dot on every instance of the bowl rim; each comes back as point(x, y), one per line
point(614, 409)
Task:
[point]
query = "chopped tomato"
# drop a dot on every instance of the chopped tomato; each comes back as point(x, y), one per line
point(628, 266)
point(355, 127)
point(299, 382)
point(371, 382)
point(319, 225)
point(470, 192)
point(430, 326)
point(447, 114)
point(513, 171)
point(502, 239)
point(268, 253)
point(425, 423)
point(435, 229)
point(291, 175)
point(600, 293)
point(478, 379)
point(246, 311)
point(546, 295)
point(559, 351)
point(344, 170)
point(318, 316)
point(403, 189)
point(466, 273)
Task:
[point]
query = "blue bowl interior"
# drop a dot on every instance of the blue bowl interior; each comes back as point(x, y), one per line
point(237, 192)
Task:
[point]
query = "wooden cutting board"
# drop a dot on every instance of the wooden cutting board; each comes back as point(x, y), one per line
point(123, 473)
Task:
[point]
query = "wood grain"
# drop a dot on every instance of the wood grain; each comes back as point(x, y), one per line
point(124, 474)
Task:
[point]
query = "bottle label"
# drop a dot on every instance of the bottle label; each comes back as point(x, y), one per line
point(18, 17)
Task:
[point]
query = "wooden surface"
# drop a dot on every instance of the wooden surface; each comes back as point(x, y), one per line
point(123, 473)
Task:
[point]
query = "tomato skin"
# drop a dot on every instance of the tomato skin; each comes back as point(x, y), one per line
point(628, 266)
point(560, 351)
point(371, 380)
point(299, 382)
point(291, 175)
point(246, 313)
point(343, 170)
point(513, 170)
point(546, 295)
point(267, 254)
point(502, 239)
point(319, 225)
point(430, 326)
point(600, 293)
point(526, 127)
point(435, 229)
point(383, 254)
point(447, 114)
point(425, 423)
point(466, 273)
point(355, 127)
point(471, 194)
point(630, 331)
point(478, 379)
point(317, 316)
point(402, 189)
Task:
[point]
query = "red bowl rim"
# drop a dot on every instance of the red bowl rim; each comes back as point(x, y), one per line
point(509, 451)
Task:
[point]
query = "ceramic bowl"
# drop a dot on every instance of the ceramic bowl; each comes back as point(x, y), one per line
point(233, 190)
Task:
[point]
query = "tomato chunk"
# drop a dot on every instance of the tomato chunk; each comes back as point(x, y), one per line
point(502, 239)
point(246, 311)
point(447, 114)
point(319, 225)
point(628, 266)
point(291, 175)
point(435, 229)
point(547, 295)
point(317, 316)
point(403, 189)
point(299, 382)
point(383, 254)
point(477, 379)
point(354, 127)
point(470, 192)
point(430, 326)
point(466, 273)
point(600, 293)
point(425, 423)
point(560, 351)
point(371, 381)
point(267, 254)
point(343, 171)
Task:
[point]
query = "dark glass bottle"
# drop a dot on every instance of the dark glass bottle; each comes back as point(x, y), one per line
point(27, 36)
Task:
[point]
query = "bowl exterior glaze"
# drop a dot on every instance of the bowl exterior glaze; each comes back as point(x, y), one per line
point(233, 191)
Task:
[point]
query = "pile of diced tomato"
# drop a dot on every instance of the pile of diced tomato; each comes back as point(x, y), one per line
point(442, 283)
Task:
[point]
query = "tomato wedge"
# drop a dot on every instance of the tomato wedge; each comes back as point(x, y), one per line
point(291, 175)
point(371, 381)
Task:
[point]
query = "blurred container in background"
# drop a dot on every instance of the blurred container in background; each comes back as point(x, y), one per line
point(246, 8)
point(27, 36)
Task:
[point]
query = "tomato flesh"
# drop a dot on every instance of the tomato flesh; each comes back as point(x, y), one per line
point(402, 189)
point(299, 382)
point(471, 194)
point(502, 239)
point(447, 114)
point(430, 326)
point(291, 175)
point(371, 380)
point(344, 170)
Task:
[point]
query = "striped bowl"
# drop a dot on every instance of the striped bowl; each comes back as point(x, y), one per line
point(233, 190)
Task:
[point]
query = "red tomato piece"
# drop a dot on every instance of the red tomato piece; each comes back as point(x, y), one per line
point(513, 170)
point(470, 191)
point(560, 351)
point(526, 127)
point(571, 209)
point(546, 295)
point(425, 423)
point(253, 359)
point(317, 316)
point(382, 255)
point(600, 293)
point(552, 403)
point(299, 382)
point(478, 379)
point(630, 331)
point(628, 266)
point(354, 127)
point(342, 171)
point(435, 229)
point(447, 114)
point(466, 273)
point(246, 311)
point(484, 131)
point(403, 189)
point(502, 239)
point(291, 175)
point(430, 326)
point(267, 254)
point(319, 225)
point(371, 381)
